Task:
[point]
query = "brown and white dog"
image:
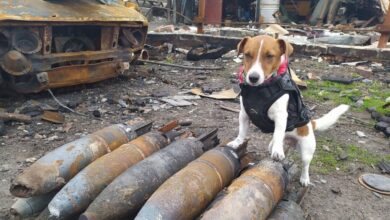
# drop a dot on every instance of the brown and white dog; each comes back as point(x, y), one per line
point(262, 57)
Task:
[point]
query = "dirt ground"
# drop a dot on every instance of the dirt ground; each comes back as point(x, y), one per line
point(141, 91)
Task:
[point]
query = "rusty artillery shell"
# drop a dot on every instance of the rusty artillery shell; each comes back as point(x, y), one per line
point(44, 215)
point(187, 193)
point(76, 196)
point(251, 196)
point(127, 193)
point(51, 171)
point(287, 210)
point(27, 207)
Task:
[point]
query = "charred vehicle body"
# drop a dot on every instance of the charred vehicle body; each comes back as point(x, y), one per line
point(57, 43)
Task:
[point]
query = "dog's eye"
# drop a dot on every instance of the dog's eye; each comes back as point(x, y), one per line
point(270, 56)
point(248, 56)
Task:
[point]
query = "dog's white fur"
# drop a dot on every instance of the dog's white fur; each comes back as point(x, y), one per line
point(278, 113)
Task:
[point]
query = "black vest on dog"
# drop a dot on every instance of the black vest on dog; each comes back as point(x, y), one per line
point(258, 99)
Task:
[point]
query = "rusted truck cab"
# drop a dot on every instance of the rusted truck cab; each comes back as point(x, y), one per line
point(57, 43)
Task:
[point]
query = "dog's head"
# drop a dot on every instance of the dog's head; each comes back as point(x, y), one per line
point(262, 57)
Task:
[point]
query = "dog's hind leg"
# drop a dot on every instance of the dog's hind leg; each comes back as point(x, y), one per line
point(307, 146)
point(243, 128)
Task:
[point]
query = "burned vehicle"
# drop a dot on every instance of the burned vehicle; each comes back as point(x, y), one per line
point(56, 43)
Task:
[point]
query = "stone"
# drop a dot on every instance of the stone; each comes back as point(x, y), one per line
point(73, 103)
point(122, 103)
point(335, 190)
point(185, 123)
point(38, 136)
point(31, 160)
point(97, 113)
point(160, 93)
point(52, 138)
point(375, 115)
point(359, 103)
point(371, 109)
point(381, 126)
point(5, 168)
point(387, 132)
point(367, 81)
point(343, 155)
point(364, 71)
point(210, 88)
point(385, 119)
point(361, 134)
point(139, 102)
point(326, 148)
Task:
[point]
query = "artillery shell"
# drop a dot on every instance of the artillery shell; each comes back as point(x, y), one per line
point(76, 196)
point(27, 207)
point(188, 192)
point(57, 167)
point(251, 196)
point(127, 193)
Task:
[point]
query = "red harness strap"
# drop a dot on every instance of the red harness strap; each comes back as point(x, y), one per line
point(282, 69)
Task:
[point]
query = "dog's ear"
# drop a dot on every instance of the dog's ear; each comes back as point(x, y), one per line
point(241, 45)
point(285, 47)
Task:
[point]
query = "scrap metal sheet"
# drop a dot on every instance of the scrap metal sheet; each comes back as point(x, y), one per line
point(66, 11)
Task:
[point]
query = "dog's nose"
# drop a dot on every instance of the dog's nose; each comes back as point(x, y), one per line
point(254, 78)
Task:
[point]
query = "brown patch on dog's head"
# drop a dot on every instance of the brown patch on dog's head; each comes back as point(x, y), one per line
point(303, 131)
point(285, 47)
point(241, 44)
point(265, 50)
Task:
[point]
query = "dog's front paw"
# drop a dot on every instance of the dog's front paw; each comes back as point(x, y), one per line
point(271, 143)
point(305, 181)
point(277, 152)
point(235, 144)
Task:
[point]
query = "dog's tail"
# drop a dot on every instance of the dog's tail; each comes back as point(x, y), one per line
point(330, 118)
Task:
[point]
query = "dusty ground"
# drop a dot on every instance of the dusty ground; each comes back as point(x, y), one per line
point(24, 141)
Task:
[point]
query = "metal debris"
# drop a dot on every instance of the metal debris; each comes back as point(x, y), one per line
point(53, 117)
point(176, 102)
point(4, 116)
point(46, 45)
point(222, 95)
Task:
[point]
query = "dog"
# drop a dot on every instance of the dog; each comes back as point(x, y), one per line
point(266, 58)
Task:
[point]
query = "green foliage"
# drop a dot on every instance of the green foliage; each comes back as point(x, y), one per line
point(373, 95)
point(325, 161)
